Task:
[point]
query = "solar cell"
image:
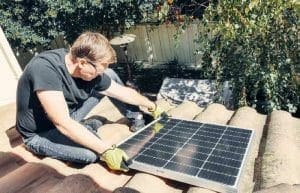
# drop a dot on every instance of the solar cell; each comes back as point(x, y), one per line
point(200, 154)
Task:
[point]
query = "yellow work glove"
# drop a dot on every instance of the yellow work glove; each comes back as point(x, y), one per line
point(156, 127)
point(157, 112)
point(116, 159)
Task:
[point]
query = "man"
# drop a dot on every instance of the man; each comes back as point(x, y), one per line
point(56, 91)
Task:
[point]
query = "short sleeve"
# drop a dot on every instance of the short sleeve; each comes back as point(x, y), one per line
point(103, 83)
point(44, 76)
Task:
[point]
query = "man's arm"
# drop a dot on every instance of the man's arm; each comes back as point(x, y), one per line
point(128, 95)
point(56, 108)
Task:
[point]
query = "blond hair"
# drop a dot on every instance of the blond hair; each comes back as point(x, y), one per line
point(93, 47)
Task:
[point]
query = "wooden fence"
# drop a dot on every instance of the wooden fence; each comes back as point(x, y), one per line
point(153, 45)
point(156, 45)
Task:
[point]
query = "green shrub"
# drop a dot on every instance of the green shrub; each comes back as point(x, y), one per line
point(28, 24)
point(255, 45)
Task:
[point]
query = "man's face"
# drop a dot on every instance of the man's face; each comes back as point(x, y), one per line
point(90, 70)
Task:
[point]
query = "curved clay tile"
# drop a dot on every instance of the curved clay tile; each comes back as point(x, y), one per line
point(187, 110)
point(215, 113)
point(281, 158)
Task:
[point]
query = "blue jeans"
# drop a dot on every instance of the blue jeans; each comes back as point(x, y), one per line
point(56, 145)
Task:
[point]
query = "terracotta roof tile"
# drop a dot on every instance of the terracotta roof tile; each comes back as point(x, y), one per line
point(25, 154)
point(215, 113)
point(9, 162)
point(63, 168)
point(76, 183)
point(105, 178)
point(14, 137)
point(114, 132)
point(106, 109)
point(281, 188)
point(281, 158)
point(165, 105)
point(186, 110)
point(148, 183)
point(281, 133)
point(28, 178)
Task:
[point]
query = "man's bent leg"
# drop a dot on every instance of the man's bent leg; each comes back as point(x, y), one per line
point(123, 108)
point(130, 111)
point(85, 108)
point(56, 145)
point(92, 101)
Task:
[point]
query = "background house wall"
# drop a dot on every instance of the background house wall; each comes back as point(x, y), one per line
point(10, 72)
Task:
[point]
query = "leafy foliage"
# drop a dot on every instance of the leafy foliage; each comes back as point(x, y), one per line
point(28, 24)
point(255, 45)
point(172, 11)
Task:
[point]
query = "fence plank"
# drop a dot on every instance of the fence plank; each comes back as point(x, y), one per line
point(155, 41)
point(183, 49)
point(191, 33)
point(165, 44)
point(156, 45)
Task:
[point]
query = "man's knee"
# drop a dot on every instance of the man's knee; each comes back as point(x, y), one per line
point(113, 75)
point(110, 72)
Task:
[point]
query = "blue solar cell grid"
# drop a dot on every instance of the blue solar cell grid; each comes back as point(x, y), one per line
point(207, 151)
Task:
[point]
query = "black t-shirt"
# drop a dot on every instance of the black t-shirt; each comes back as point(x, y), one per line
point(47, 71)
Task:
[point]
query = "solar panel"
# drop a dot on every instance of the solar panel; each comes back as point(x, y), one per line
point(201, 154)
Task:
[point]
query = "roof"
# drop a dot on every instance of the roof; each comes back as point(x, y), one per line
point(273, 165)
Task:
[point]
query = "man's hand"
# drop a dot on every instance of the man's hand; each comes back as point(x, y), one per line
point(115, 159)
point(157, 112)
